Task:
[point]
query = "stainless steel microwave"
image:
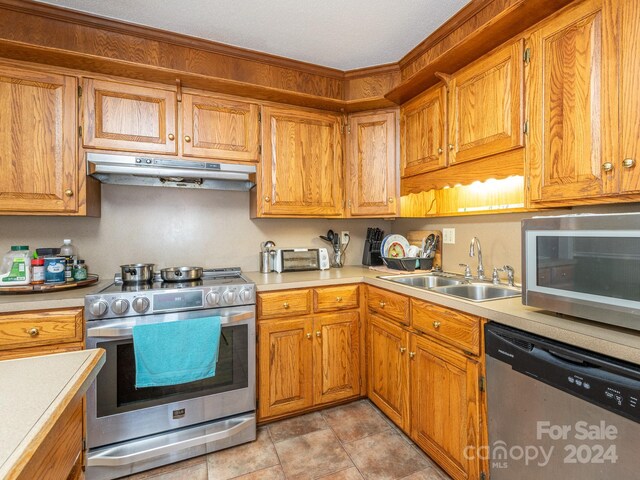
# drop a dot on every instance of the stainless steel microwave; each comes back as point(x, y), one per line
point(586, 266)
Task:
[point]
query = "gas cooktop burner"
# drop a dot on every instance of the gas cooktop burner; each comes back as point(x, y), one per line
point(218, 287)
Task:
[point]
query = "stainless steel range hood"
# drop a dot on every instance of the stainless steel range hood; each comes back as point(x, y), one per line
point(168, 172)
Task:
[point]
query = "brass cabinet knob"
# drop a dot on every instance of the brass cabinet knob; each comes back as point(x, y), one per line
point(412, 354)
point(187, 138)
point(436, 325)
point(338, 299)
point(391, 199)
point(68, 192)
point(309, 336)
point(607, 166)
point(382, 304)
point(440, 150)
point(34, 332)
point(318, 334)
point(451, 146)
point(267, 198)
point(629, 163)
point(171, 136)
point(403, 349)
point(285, 305)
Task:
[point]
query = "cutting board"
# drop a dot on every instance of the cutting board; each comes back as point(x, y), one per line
point(415, 238)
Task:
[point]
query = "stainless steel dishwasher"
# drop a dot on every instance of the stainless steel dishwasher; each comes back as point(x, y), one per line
point(559, 412)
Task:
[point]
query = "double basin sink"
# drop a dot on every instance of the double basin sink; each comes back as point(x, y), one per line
point(457, 286)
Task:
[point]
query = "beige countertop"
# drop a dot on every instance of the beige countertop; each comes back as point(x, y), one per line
point(36, 391)
point(616, 342)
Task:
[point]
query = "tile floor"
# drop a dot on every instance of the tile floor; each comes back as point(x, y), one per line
point(350, 442)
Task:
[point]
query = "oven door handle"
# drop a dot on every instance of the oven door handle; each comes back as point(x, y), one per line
point(126, 330)
point(118, 455)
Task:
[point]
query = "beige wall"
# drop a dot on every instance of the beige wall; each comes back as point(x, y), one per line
point(172, 227)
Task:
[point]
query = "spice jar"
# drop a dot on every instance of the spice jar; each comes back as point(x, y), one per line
point(37, 271)
point(79, 271)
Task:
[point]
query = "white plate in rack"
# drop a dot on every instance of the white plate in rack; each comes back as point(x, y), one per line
point(395, 246)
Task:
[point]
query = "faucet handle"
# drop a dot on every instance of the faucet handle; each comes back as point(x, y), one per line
point(510, 274)
point(467, 270)
point(495, 276)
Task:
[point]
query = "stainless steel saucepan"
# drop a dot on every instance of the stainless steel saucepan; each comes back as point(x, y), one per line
point(137, 272)
point(181, 274)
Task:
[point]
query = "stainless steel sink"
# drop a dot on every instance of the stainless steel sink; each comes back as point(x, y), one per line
point(425, 280)
point(479, 292)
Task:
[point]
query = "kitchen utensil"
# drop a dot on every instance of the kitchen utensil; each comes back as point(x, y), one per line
point(429, 248)
point(266, 261)
point(339, 250)
point(181, 274)
point(137, 272)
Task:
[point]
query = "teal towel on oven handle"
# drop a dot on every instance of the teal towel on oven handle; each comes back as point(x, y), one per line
point(172, 353)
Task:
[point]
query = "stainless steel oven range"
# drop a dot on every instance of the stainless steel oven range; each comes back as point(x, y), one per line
point(130, 430)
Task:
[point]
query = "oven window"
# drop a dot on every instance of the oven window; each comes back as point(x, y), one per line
point(115, 384)
point(605, 266)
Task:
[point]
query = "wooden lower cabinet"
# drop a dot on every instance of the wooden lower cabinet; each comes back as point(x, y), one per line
point(389, 369)
point(305, 362)
point(445, 406)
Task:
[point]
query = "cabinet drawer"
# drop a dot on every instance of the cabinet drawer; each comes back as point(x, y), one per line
point(456, 328)
point(388, 304)
point(335, 298)
point(284, 303)
point(29, 329)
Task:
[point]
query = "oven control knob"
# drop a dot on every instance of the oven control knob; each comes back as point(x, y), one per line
point(99, 308)
point(140, 304)
point(213, 298)
point(229, 296)
point(246, 295)
point(120, 306)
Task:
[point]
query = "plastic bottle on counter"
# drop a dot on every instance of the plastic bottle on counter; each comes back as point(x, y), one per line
point(16, 266)
point(70, 254)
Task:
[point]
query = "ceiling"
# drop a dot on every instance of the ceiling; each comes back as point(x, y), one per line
point(334, 33)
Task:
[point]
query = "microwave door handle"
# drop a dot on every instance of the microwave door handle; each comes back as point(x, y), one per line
point(125, 331)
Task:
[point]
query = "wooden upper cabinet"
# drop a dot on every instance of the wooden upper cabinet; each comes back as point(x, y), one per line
point(219, 128)
point(629, 97)
point(486, 106)
point(301, 169)
point(129, 117)
point(423, 132)
point(570, 102)
point(38, 150)
point(371, 165)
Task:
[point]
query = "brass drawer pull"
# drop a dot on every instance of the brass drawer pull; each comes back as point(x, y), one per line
point(629, 163)
point(318, 334)
point(412, 355)
point(607, 166)
point(382, 304)
point(187, 138)
point(171, 136)
point(338, 299)
point(68, 192)
point(309, 336)
point(436, 325)
point(285, 305)
point(403, 349)
point(34, 332)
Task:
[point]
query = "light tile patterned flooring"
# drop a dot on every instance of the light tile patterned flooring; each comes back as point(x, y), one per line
point(350, 442)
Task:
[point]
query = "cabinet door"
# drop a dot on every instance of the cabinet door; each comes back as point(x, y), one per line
point(38, 132)
point(285, 362)
point(568, 104)
point(388, 380)
point(423, 126)
point(485, 106)
point(371, 165)
point(629, 96)
point(219, 128)
point(445, 408)
point(129, 117)
point(336, 357)
point(301, 163)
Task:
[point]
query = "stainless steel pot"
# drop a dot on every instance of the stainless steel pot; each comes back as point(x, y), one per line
point(181, 274)
point(137, 272)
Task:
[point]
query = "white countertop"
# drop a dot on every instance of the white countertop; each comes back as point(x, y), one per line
point(608, 340)
point(35, 392)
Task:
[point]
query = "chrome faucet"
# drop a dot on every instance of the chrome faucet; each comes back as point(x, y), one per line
point(510, 275)
point(475, 241)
